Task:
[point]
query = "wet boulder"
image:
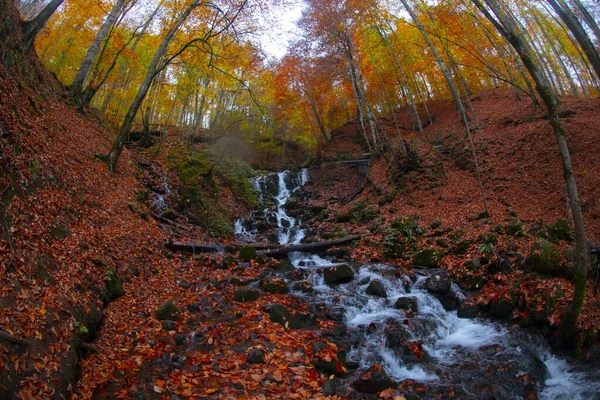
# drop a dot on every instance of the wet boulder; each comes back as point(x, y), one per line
point(338, 274)
point(304, 287)
point(274, 286)
point(168, 311)
point(281, 315)
point(376, 289)
point(439, 283)
point(246, 295)
point(406, 303)
point(330, 387)
point(375, 380)
point(467, 311)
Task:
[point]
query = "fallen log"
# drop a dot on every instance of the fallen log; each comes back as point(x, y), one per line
point(10, 338)
point(198, 248)
point(309, 247)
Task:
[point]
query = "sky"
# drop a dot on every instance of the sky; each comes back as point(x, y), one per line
point(280, 28)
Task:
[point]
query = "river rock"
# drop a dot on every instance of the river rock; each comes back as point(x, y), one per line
point(376, 289)
point(168, 311)
point(256, 356)
point(281, 315)
point(406, 303)
point(467, 311)
point(274, 285)
point(304, 287)
point(338, 274)
point(439, 283)
point(330, 387)
point(374, 381)
point(246, 295)
point(168, 325)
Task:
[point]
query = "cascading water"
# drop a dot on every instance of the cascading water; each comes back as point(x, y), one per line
point(475, 358)
point(276, 188)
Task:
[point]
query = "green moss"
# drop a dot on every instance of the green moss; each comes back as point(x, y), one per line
point(247, 253)
point(428, 258)
point(543, 258)
point(114, 285)
point(561, 230)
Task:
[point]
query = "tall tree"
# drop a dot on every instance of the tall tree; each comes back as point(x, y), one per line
point(508, 27)
point(32, 27)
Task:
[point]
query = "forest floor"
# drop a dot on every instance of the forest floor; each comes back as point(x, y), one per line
point(72, 232)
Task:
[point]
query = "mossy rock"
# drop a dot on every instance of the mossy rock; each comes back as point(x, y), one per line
point(275, 286)
point(488, 238)
point(168, 311)
point(246, 295)
point(338, 274)
point(393, 247)
point(435, 224)
point(247, 253)
point(281, 315)
point(515, 228)
point(114, 285)
point(462, 247)
point(428, 258)
point(543, 258)
point(406, 303)
point(560, 230)
point(406, 226)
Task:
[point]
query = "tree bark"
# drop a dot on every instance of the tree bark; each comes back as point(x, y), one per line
point(92, 51)
point(507, 26)
point(32, 27)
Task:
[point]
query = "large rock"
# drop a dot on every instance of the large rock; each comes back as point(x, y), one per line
point(338, 274)
point(406, 303)
point(502, 309)
point(246, 295)
point(428, 258)
point(543, 258)
point(376, 289)
point(439, 283)
point(168, 311)
point(374, 381)
point(281, 315)
point(467, 311)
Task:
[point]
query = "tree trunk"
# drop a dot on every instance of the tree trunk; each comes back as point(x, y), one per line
point(92, 51)
point(589, 19)
point(565, 13)
point(33, 27)
point(119, 143)
point(567, 333)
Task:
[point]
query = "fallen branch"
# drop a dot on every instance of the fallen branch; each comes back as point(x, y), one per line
point(198, 248)
point(12, 339)
point(310, 247)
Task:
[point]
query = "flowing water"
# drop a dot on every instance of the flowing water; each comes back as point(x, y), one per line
point(477, 358)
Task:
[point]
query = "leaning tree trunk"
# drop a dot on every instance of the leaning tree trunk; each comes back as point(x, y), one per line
point(92, 51)
point(507, 26)
point(153, 69)
point(589, 19)
point(33, 27)
point(565, 13)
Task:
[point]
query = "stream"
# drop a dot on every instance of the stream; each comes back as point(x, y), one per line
point(472, 358)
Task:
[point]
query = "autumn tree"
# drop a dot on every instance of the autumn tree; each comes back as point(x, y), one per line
point(219, 23)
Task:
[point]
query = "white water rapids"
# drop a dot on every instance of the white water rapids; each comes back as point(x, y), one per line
point(469, 354)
